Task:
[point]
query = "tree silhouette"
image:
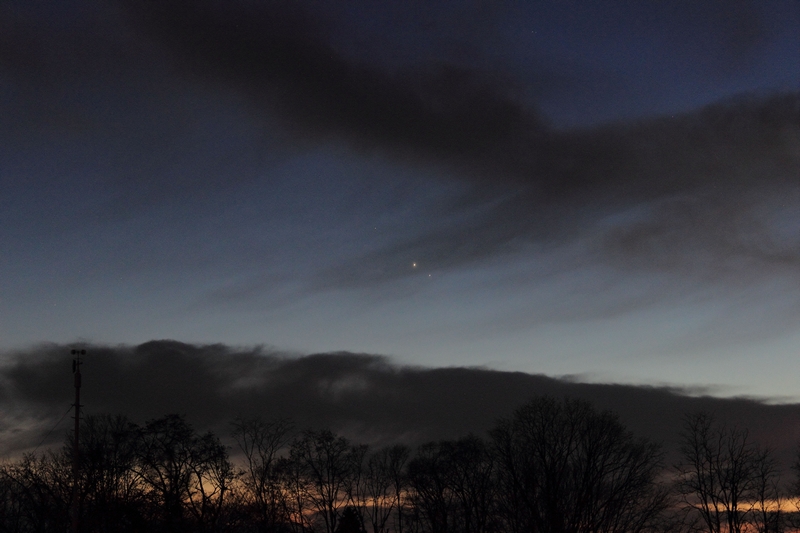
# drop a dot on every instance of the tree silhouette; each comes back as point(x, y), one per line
point(553, 466)
point(324, 461)
point(261, 443)
point(452, 485)
point(386, 487)
point(562, 466)
point(725, 480)
point(187, 473)
point(350, 522)
point(111, 494)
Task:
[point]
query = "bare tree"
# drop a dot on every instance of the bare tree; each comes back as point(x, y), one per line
point(452, 486)
point(356, 489)
point(726, 481)
point(432, 500)
point(261, 443)
point(562, 466)
point(213, 476)
point(474, 484)
point(325, 463)
point(112, 493)
point(38, 490)
point(296, 489)
point(184, 471)
point(768, 515)
point(385, 487)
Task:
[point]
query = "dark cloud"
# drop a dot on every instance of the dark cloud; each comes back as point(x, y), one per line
point(366, 397)
point(693, 177)
point(698, 170)
point(683, 194)
point(277, 54)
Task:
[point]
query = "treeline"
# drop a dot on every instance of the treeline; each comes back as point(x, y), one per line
point(551, 467)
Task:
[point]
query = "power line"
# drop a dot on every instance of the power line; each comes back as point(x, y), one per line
point(53, 428)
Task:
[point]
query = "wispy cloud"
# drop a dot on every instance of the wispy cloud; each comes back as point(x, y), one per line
point(685, 193)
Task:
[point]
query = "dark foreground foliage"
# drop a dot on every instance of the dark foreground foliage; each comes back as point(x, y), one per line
point(551, 467)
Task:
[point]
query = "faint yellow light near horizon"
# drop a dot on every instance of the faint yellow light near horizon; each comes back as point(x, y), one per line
point(770, 505)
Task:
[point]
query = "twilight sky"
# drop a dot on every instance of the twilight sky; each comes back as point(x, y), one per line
point(604, 189)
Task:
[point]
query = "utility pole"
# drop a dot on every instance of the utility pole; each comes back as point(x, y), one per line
point(76, 457)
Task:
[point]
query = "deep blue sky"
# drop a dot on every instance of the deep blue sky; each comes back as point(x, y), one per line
point(608, 189)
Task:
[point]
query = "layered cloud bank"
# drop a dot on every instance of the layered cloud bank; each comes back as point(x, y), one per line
point(364, 397)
